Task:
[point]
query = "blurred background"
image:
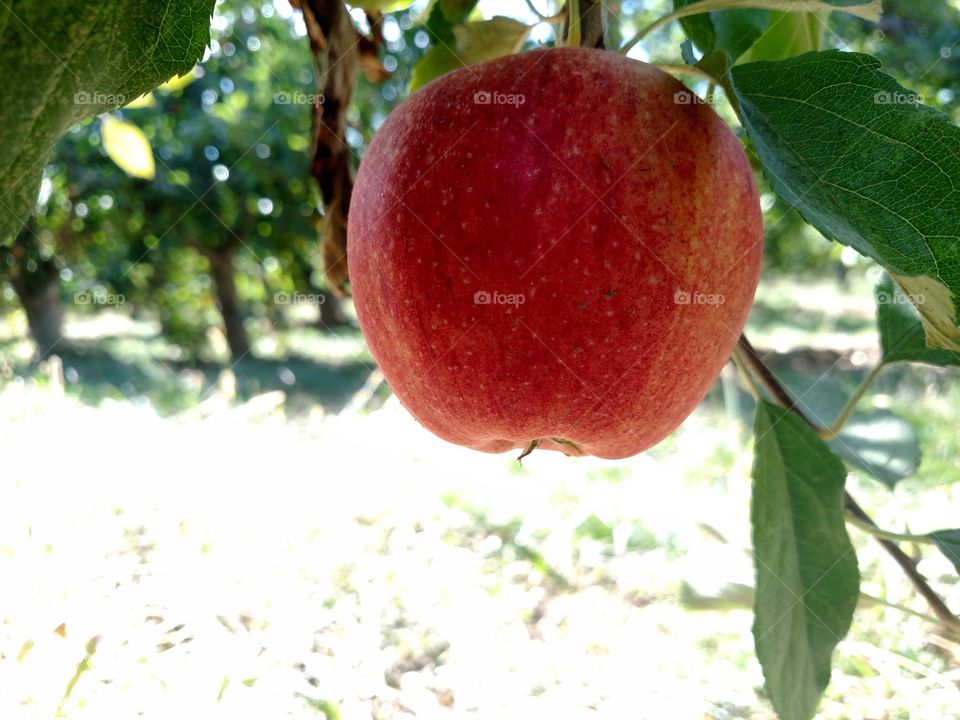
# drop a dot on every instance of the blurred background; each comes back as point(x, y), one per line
point(211, 504)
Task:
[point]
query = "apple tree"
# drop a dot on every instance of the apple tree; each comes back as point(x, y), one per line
point(844, 146)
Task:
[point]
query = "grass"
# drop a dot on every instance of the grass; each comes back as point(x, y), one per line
point(181, 540)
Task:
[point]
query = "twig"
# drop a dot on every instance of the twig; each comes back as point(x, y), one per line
point(769, 380)
point(909, 567)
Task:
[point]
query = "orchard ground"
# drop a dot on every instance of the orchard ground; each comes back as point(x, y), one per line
point(279, 540)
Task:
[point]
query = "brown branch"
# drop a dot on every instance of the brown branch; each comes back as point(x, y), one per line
point(334, 43)
point(369, 47)
point(906, 563)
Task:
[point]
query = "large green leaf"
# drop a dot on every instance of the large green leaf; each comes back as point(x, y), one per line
point(64, 61)
point(868, 165)
point(901, 330)
point(807, 576)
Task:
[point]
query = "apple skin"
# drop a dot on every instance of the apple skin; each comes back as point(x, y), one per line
point(600, 199)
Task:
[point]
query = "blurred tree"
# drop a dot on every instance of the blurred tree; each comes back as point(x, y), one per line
point(34, 275)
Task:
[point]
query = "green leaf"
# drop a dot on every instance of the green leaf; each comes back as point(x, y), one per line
point(64, 61)
point(786, 35)
point(445, 15)
point(437, 61)
point(867, 165)
point(948, 542)
point(807, 576)
point(473, 42)
point(128, 147)
point(901, 330)
point(733, 30)
point(489, 39)
point(938, 313)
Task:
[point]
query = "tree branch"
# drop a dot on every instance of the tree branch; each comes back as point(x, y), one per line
point(334, 43)
point(752, 359)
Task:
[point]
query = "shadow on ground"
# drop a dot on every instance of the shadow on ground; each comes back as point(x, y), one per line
point(94, 372)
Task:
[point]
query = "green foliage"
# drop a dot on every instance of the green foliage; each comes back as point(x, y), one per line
point(843, 145)
point(786, 35)
point(731, 30)
point(864, 162)
point(948, 542)
point(82, 60)
point(807, 577)
point(901, 330)
point(466, 43)
point(877, 441)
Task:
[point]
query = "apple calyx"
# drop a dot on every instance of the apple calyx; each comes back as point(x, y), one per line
point(563, 442)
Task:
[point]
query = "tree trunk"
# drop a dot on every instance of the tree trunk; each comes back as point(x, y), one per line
point(40, 298)
point(38, 289)
point(221, 268)
point(330, 312)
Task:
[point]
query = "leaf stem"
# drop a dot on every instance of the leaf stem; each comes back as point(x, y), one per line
point(873, 600)
point(693, 9)
point(533, 9)
point(770, 382)
point(551, 19)
point(877, 532)
point(688, 70)
point(834, 430)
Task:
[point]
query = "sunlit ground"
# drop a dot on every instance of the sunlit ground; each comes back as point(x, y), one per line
point(230, 558)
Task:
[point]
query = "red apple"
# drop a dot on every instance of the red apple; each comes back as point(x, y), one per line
point(556, 249)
